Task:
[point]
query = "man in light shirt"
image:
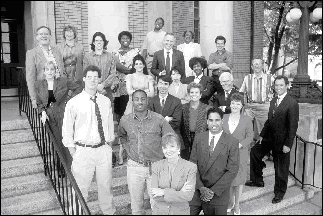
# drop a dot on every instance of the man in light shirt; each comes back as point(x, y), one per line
point(216, 154)
point(258, 90)
point(153, 42)
point(88, 133)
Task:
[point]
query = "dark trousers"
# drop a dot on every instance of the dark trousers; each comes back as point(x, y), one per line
point(209, 209)
point(186, 153)
point(218, 85)
point(281, 165)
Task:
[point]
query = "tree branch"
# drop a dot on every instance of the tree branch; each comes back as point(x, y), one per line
point(285, 64)
point(270, 40)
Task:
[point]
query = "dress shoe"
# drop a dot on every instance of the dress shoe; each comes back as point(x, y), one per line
point(277, 199)
point(255, 184)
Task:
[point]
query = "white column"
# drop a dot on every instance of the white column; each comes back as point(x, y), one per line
point(108, 17)
point(216, 18)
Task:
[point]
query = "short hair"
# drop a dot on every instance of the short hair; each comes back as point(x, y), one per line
point(92, 68)
point(165, 78)
point(50, 62)
point(140, 58)
point(41, 27)
point(253, 60)
point(226, 74)
point(220, 37)
point(100, 34)
point(194, 85)
point(188, 31)
point(214, 110)
point(138, 90)
point(124, 33)
point(193, 61)
point(171, 138)
point(176, 70)
point(160, 18)
point(69, 28)
point(169, 33)
point(238, 96)
point(282, 77)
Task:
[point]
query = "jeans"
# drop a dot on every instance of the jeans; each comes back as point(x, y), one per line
point(138, 179)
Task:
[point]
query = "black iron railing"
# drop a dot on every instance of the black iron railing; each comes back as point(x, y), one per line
point(308, 161)
point(63, 182)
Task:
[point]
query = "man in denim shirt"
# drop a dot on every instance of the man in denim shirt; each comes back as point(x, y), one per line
point(140, 133)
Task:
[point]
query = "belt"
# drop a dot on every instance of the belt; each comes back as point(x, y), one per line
point(146, 164)
point(51, 104)
point(151, 55)
point(91, 146)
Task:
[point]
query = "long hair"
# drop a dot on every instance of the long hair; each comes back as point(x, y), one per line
point(103, 38)
point(140, 58)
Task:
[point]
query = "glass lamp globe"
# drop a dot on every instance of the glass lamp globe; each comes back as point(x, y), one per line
point(312, 18)
point(295, 13)
point(317, 13)
point(289, 19)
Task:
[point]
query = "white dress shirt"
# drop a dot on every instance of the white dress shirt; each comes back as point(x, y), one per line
point(280, 98)
point(216, 138)
point(161, 99)
point(80, 122)
point(170, 57)
point(197, 79)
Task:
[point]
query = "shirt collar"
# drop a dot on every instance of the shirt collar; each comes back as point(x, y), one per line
point(281, 97)
point(69, 45)
point(216, 135)
point(222, 51)
point(49, 47)
point(87, 95)
point(198, 77)
point(148, 116)
point(262, 76)
point(160, 98)
point(170, 51)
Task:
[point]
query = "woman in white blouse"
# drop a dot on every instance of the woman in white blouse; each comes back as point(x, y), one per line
point(177, 88)
point(240, 126)
point(190, 50)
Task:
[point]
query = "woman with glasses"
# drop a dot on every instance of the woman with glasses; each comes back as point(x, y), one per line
point(36, 59)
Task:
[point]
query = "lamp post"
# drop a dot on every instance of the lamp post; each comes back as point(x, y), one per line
point(301, 85)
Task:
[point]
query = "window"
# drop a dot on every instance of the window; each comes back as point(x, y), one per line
point(9, 41)
point(196, 22)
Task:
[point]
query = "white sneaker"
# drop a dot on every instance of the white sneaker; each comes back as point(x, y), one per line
point(234, 213)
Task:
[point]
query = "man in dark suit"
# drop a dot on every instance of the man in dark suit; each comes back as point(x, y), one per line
point(166, 59)
point(222, 100)
point(277, 135)
point(167, 105)
point(198, 65)
point(216, 155)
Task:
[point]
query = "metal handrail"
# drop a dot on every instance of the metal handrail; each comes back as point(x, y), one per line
point(67, 191)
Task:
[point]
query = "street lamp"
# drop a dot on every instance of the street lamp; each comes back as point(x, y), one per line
point(302, 88)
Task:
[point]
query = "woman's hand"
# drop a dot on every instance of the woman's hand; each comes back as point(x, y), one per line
point(157, 192)
point(43, 117)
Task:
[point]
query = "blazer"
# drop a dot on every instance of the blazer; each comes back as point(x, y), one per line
point(172, 108)
point(243, 132)
point(201, 125)
point(174, 201)
point(159, 64)
point(60, 89)
point(219, 100)
point(281, 127)
point(181, 93)
point(217, 171)
point(208, 84)
point(35, 61)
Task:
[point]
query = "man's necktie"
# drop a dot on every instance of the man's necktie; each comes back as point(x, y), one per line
point(212, 145)
point(276, 105)
point(167, 63)
point(163, 103)
point(99, 119)
point(226, 93)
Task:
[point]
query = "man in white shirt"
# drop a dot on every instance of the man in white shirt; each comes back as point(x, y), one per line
point(216, 154)
point(153, 42)
point(88, 133)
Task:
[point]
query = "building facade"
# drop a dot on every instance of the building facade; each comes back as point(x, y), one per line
point(239, 22)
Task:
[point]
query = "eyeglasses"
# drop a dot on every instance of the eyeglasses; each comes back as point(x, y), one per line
point(43, 34)
point(90, 78)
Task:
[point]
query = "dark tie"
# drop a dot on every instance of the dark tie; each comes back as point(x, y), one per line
point(98, 117)
point(275, 106)
point(226, 94)
point(212, 145)
point(167, 63)
point(163, 103)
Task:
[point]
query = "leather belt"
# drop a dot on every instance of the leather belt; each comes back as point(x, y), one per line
point(151, 55)
point(146, 164)
point(91, 146)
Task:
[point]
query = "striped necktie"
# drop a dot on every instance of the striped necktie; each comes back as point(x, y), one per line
point(212, 145)
point(99, 119)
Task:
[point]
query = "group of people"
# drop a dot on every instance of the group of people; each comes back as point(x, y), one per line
point(187, 135)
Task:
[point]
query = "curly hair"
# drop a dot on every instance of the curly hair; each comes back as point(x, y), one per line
point(194, 85)
point(195, 60)
point(124, 33)
point(100, 34)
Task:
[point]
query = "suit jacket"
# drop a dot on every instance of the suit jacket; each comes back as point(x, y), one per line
point(60, 89)
point(217, 171)
point(281, 127)
point(174, 201)
point(35, 61)
point(208, 87)
point(172, 108)
point(201, 125)
point(243, 132)
point(159, 64)
point(219, 100)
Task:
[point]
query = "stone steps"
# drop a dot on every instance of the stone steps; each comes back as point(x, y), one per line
point(304, 208)
point(19, 150)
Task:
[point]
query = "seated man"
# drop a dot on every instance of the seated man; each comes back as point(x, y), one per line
point(198, 64)
point(222, 100)
point(258, 88)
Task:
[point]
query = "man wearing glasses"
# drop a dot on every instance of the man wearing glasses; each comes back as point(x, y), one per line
point(36, 59)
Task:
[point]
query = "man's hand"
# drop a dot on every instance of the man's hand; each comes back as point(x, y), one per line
point(157, 192)
point(168, 118)
point(34, 104)
point(162, 73)
point(43, 117)
point(259, 140)
point(206, 194)
point(286, 149)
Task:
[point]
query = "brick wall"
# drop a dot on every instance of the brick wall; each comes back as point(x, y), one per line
point(242, 37)
point(183, 18)
point(138, 22)
point(72, 13)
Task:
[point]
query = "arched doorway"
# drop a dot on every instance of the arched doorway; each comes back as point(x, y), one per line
point(12, 45)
